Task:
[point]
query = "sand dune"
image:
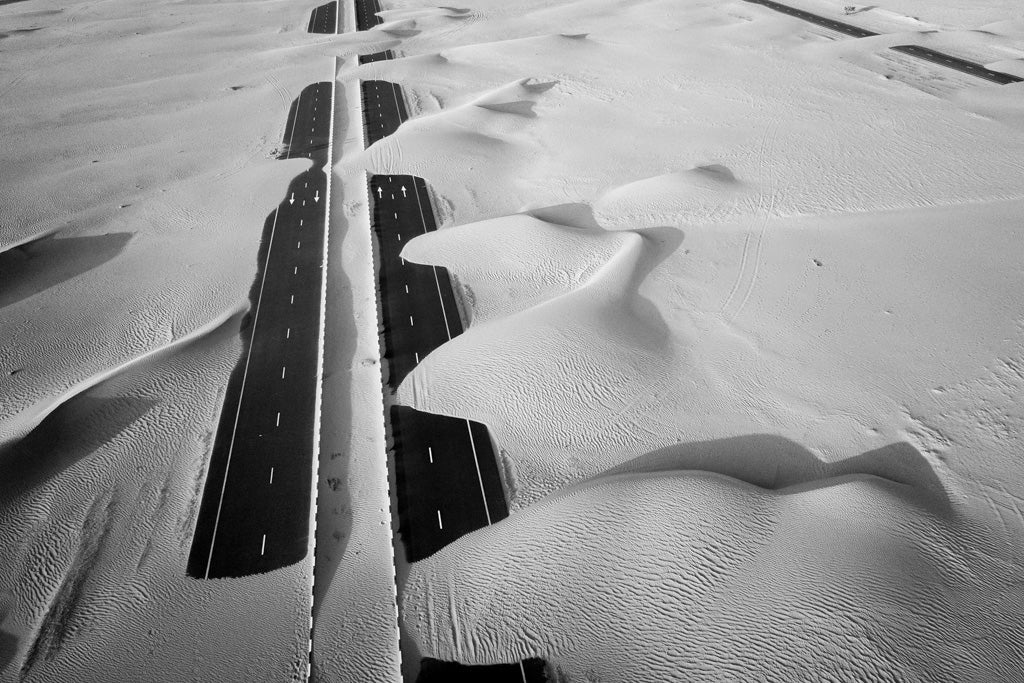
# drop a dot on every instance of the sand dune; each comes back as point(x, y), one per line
point(526, 259)
point(96, 521)
point(34, 267)
point(682, 573)
point(743, 331)
point(139, 165)
point(745, 326)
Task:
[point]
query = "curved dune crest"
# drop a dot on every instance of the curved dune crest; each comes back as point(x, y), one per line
point(514, 262)
point(691, 196)
point(595, 348)
point(514, 97)
point(776, 463)
point(45, 261)
point(22, 424)
point(646, 577)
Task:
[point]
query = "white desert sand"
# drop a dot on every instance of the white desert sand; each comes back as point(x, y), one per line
point(747, 330)
point(719, 263)
point(139, 138)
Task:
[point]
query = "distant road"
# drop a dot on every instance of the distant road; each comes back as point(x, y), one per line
point(848, 29)
point(959, 64)
point(256, 505)
point(941, 58)
point(324, 19)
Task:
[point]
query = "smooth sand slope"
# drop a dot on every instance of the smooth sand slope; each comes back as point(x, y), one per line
point(745, 327)
point(139, 145)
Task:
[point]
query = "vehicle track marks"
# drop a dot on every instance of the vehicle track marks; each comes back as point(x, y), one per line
point(767, 146)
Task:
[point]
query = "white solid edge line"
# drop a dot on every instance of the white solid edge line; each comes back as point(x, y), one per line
point(320, 357)
point(292, 136)
point(358, 142)
point(437, 281)
point(447, 329)
point(479, 477)
point(398, 107)
point(241, 393)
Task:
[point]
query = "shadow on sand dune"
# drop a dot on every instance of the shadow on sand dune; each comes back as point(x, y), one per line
point(658, 244)
point(36, 266)
point(73, 431)
point(8, 641)
point(778, 464)
point(79, 424)
point(8, 649)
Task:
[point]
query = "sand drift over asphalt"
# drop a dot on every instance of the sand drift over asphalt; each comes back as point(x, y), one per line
point(695, 575)
point(139, 142)
point(743, 325)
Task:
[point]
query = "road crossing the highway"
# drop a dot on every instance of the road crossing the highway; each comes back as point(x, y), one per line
point(927, 54)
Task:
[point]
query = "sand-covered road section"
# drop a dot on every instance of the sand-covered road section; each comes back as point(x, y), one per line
point(686, 223)
point(139, 140)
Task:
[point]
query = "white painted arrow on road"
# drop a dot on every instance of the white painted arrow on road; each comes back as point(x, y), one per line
point(316, 197)
point(291, 200)
point(380, 193)
point(403, 190)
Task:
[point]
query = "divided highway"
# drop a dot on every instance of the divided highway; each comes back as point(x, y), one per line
point(256, 505)
point(927, 54)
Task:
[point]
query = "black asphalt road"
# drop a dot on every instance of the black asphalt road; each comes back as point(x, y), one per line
point(376, 57)
point(436, 671)
point(417, 303)
point(447, 480)
point(446, 474)
point(383, 111)
point(967, 67)
point(366, 18)
point(848, 29)
point(447, 477)
point(925, 53)
point(255, 511)
point(366, 14)
point(324, 19)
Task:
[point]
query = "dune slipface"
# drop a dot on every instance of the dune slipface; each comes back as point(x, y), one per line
point(744, 319)
point(743, 330)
